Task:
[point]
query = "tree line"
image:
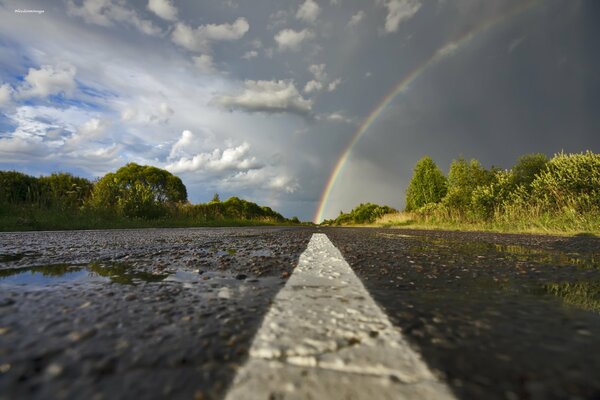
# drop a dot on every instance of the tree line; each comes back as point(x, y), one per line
point(565, 186)
point(133, 192)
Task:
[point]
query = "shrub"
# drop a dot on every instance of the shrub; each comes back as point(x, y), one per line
point(570, 180)
point(362, 214)
point(527, 168)
point(428, 185)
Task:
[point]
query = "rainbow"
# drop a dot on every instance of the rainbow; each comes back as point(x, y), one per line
point(440, 54)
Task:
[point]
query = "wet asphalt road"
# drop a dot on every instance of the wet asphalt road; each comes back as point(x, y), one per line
point(496, 316)
point(170, 313)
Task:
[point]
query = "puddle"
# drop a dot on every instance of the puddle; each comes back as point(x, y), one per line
point(50, 275)
point(124, 274)
point(512, 252)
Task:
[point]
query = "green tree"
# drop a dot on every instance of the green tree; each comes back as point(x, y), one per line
point(463, 178)
point(527, 168)
point(428, 185)
point(138, 191)
point(216, 198)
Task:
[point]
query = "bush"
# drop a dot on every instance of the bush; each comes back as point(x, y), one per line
point(362, 214)
point(528, 168)
point(570, 180)
point(137, 191)
point(428, 185)
point(487, 199)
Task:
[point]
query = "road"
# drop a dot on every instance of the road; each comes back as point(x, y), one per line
point(197, 313)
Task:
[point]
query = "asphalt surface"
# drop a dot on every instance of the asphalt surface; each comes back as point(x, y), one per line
point(171, 313)
point(496, 316)
point(145, 314)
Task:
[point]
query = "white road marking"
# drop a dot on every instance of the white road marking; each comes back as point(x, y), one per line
point(324, 337)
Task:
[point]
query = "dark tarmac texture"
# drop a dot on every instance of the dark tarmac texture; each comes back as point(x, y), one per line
point(171, 313)
point(496, 316)
point(165, 313)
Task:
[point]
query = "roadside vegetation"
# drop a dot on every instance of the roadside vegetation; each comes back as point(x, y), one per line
point(538, 195)
point(134, 196)
point(363, 214)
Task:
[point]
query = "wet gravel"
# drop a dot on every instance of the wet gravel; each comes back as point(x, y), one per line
point(159, 313)
point(496, 316)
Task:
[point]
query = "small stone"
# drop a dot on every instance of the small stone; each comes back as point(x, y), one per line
point(130, 297)
point(83, 335)
point(4, 368)
point(285, 275)
point(86, 304)
point(4, 330)
point(54, 370)
point(241, 277)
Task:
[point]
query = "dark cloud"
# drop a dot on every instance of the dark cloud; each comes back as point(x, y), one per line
point(123, 82)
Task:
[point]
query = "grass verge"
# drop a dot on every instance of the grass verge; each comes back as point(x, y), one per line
point(543, 224)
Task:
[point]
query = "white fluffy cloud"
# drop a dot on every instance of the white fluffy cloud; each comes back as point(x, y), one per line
point(318, 70)
point(321, 80)
point(308, 11)
point(267, 96)
point(398, 12)
point(48, 80)
point(336, 117)
point(6, 92)
point(200, 38)
point(90, 131)
point(107, 12)
point(264, 178)
point(205, 63)
point(71, 136)
point(356, 18)
point(232, 168)
point(231, 159)
point(163, 8)
point(313, 86)
point(250, 54)
point(289, 39)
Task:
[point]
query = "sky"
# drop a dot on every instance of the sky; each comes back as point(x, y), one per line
point(309, 106)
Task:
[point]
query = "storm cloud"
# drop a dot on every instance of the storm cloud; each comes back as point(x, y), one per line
point(259, 99)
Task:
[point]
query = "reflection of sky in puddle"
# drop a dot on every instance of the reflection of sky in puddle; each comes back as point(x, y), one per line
point(38, 278)
point(60, 274)
point(213, 284)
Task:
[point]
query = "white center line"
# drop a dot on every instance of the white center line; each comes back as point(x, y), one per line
point(324, 337)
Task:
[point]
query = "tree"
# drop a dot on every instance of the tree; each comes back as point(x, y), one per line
point(428, 185)
point(216, 198)
point(140, 191)
point(527, 168)
point(463, 178)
